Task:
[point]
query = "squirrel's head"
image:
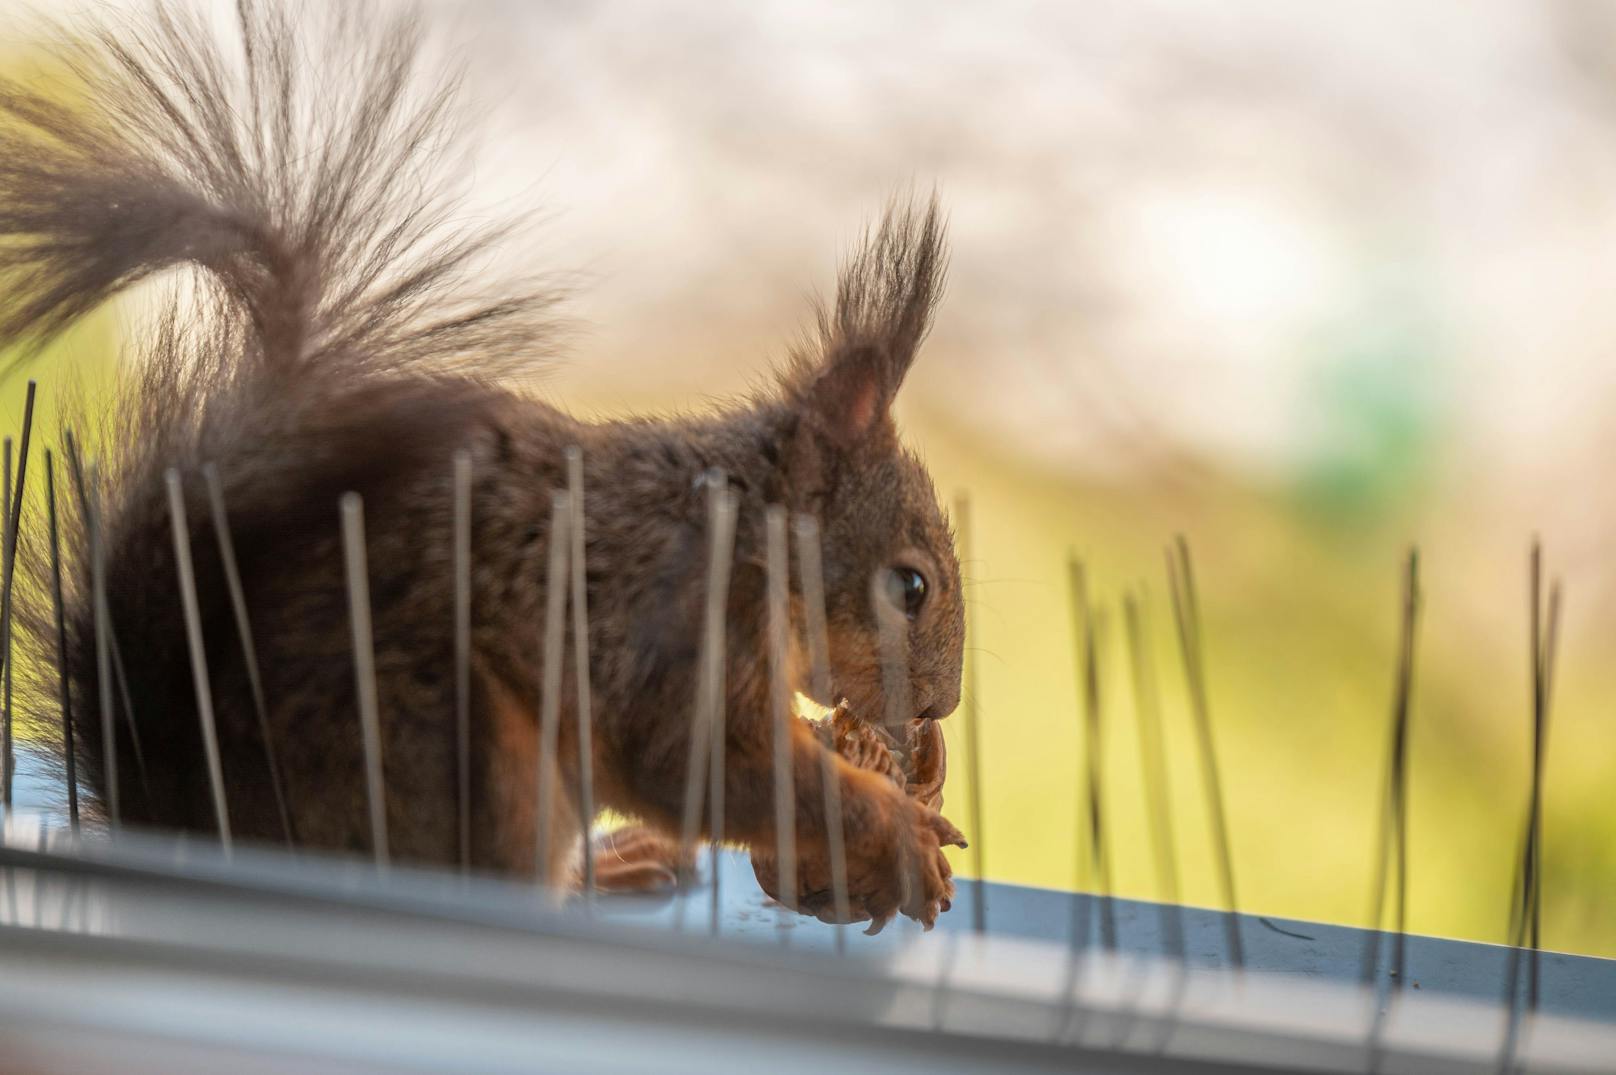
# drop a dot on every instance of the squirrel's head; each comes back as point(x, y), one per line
point(892, 579)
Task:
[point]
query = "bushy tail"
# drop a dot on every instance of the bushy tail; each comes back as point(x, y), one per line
point(331, 340)
point(295, 168)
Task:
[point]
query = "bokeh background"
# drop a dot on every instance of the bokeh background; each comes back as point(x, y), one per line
point(1307, 283)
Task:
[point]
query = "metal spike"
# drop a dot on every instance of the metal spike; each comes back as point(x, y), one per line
point(1540, 744)
point(580, 635)
point(968, 702)
point(716, 659)
point(249, 651)
point(6, 774)
point(973, 742)
point(555, 640)
point(893, 630)
point(1153, 775)
point(199, 658)
point(1158, 803)
point(700, 711)
point(1090, 818)
point(353, 547)
point(1528, 922)
point(1539, 697)
point(1394, 819)
point(720, 551)
point(13, 510)
point(69, 753)
point(13, 526)
point(1187, 615)
point(83, 486)
point(1078, 936)
point(892, 627)
point(811, 576)
point(1094, 748)
point(810, 568)
point(779, 623)
point(1512, 966)
point(1526, 889)
point(462, 647)
point(103, 663)
point(1082, 631)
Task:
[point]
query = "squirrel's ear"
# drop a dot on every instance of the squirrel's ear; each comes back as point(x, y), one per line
point(865, 345)
point(851, 395)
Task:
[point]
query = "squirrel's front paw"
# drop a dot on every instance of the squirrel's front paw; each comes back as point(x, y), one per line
point(915, 879)
point(897, 866)
point(894, 866)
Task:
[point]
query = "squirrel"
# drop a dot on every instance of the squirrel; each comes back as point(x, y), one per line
point(338, 338)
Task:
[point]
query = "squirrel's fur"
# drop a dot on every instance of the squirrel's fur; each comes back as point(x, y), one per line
point(334, 343)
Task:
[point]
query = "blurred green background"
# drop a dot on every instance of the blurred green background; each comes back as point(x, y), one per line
point(1307, 285)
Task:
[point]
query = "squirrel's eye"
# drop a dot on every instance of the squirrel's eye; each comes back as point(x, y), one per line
point(906, 588)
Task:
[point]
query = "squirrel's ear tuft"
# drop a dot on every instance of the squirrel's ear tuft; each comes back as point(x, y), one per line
point(885, 295)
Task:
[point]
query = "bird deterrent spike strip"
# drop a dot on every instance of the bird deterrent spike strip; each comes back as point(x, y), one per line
point(249, 652)
point(703, 705)
point(1546, 616)
point(84, 482)
point(1187, 616)
point(462, 649)
point(354, 562)
point(1153, 773)
point(103, 662)
point(555, 637)
point(199, 658)
point(6, 774)
point(810, 567)
point(69, 752)
point(726, 512)
point(1526, 891)
point(580, 641)
point(973, 736)
point(779, 627)
point(892, 627)
point(13, 509)
point(1393, 835)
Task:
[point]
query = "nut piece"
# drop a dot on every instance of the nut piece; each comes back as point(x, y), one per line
point(915, 761)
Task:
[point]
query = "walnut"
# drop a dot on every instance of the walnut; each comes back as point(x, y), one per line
point(918, 763)
point(915, 761)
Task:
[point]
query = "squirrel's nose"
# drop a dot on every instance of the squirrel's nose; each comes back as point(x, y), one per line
point(940, 707)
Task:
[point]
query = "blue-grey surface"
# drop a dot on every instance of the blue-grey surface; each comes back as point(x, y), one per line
point(1571, 985)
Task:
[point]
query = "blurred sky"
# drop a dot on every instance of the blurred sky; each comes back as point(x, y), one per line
point(1231, 228)
point(1309, 282)
point(1178, 219)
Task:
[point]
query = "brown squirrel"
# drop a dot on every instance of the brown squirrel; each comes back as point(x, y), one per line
point(335, 343)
